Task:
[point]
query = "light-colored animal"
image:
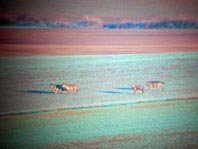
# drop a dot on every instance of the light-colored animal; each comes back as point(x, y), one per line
point(70, 87)
point(56, 88)
point(155, 84)
point(137, 87)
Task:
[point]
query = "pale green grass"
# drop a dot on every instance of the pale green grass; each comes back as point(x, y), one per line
point(163, 124)
point(102, 80)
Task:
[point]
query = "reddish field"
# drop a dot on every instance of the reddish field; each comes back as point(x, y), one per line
point(15, 42)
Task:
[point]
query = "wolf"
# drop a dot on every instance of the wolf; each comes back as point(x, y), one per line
point(57, 88)
point(155, 84)
point(137, 87)
point(70, 87)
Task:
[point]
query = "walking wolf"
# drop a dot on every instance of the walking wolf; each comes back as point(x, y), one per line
point(57, 88)
point(138, 87)
point(69, 87)
point(155, 84)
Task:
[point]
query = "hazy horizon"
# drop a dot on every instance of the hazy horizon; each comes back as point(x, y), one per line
point(100, 13)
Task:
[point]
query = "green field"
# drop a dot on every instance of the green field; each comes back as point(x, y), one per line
point(105, 113)
point(102, 80)
point(165, 124)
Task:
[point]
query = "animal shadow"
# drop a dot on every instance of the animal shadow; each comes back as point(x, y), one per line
point(121, 90)
point(124, 88)
point(111, 92)
point(37, 92)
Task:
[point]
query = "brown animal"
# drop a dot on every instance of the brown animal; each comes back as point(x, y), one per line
point(69, 87)
point(155, 84)
point(56, 88)
point(137, 87)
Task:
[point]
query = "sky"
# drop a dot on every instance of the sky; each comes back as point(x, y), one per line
point(98, 13)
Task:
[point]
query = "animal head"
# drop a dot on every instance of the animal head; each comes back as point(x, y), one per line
point(133, 85)
point(64, 85)
point(51, 85)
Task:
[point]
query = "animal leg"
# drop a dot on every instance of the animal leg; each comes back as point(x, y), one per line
point(162, 88)
point(55, 91)
point(66, 92)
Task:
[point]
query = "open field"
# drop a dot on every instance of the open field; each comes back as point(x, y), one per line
point(165, 124)
point(104, 113)
point(46, 42)
point(102, 80)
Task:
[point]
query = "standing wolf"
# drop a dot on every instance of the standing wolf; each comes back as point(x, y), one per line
point(137, 87)
point(155, 84)
point(57, 88)
point(70, 87)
